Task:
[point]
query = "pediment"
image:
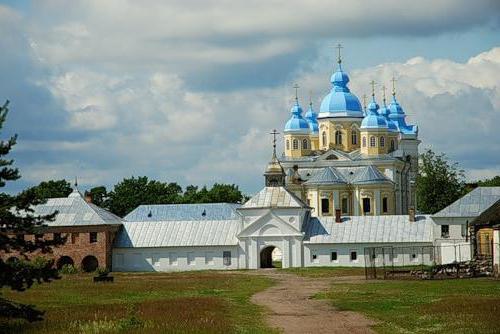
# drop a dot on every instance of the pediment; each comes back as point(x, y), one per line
point(333, 155)
point(269, 224)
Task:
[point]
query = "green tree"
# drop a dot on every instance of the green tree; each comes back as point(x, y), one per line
point(132, 192)
point(219, 193)
point(52, 189)
point(98, 195)
point(17, 218)
point(493, 182)
point(439, 182)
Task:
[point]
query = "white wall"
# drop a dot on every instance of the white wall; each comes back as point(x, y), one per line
point(454, 252)
point(174, 258)
point(457, 229)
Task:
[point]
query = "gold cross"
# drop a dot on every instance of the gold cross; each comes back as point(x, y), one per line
point(393, 86)
point(296, 91)
point(339, 58)
point(383, 92)
point(274, 133)
point(364, 101)
point(373, 88)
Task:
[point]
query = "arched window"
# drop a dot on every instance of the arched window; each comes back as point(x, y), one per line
point(392, 145)
point(364, 141)
point(354, 137)
point(338, 137)
point(323, 138)
point(305, 144)
point(295, 144)
point(382, 141)
point(287, 144)
point(372, 141)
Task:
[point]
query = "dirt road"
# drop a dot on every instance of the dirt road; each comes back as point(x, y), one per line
point(292, 310)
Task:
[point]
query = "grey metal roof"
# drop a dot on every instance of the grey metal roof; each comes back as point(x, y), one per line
point(75, 211)
point(472, 204)
point(163, 212)
point(328, 175)
point(178, 233)
point(274, 197)
point(368, 229)
point(369, 175)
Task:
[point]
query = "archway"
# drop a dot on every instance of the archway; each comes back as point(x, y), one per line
point(64, 260)
point(89, 263)
point(12, 260)
point(270, 257)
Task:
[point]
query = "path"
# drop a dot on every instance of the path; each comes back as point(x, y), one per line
point(292, 309)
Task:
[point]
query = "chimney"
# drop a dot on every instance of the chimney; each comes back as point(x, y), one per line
point(411, 214)
point(88, 198)
point(337, 216)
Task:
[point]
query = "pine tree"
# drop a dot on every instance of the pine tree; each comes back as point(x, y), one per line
point(17, 218)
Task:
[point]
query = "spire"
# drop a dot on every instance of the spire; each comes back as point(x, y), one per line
point(75, 192)
point(364, 102)
point(274, 133)
point(296, 93)
point(372, 83)
point(274, 174)
point(393, 87)
point(383, 94)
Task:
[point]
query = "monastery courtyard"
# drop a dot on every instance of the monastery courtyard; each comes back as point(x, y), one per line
point(300, 300)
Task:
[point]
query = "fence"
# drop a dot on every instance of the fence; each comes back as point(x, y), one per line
point(441, 261)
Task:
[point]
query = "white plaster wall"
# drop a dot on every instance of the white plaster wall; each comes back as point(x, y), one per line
point(174, 258)
point(457, 227)
point(454, 252)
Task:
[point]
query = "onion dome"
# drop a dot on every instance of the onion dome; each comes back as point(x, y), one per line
point(373, 120)
point(312, 119)
point(385, 111)
point(340, 102)
point(297, 123)
point(397, 116)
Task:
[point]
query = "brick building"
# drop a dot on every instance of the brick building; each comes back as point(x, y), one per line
point(89, 232)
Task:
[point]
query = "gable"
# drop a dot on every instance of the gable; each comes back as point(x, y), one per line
point(269, 224)
point(333, 155)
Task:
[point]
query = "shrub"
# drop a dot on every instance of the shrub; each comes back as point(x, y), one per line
point(102, 272)
point(68, 269)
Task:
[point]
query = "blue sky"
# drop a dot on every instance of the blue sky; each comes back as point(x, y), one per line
point(187, 91)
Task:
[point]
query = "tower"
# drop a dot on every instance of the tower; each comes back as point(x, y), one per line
point(274, 174)
point(297, 132)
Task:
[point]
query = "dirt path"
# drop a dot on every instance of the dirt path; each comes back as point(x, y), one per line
point(292, 309)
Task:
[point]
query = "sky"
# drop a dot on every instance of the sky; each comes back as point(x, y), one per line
point(188, 91)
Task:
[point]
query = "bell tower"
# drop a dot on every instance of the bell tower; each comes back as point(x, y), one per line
point(274, 174)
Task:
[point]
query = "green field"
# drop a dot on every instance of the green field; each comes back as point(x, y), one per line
point(195, 302)
point(447, 306)
point(324, 272)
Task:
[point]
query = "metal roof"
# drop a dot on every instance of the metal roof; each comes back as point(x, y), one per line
point(472, 204)
point(163, 212)
point(369, 175)
point(178, 233)
point(274, 197)
point(342, 175)
point(75, 211)
point(328, 175)
point(368, 229)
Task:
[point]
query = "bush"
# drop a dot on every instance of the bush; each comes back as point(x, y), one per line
point(102, 272)
point(68, 269)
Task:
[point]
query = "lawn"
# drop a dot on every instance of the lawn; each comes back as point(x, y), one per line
point(193, 302)
point(320, 272)
point(447, 306)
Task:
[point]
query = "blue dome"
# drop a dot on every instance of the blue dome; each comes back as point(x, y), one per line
point(311, 118)
point(340, 102)
point(385, 111)
point(372, 119)
point(297, 123)
point(397, 116)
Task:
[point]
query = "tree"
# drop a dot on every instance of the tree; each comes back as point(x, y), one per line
point(52, 189)
point(132, 192)
point(493, 182)
point(98, 195)
point(439, 182)
point(17, 218)
point(219, 193)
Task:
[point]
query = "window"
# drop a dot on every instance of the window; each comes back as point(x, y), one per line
point(354, 256)
point(382, 141)
point(345, 205)
point(287, 144)
point(323, 138)
point(364, 141)
point(191, 260)
point(385, 207)
point(372, 141)
point(173, 259)
point(366, 205)
point(354, 137)
point(74, 238)
point(209, 258)
point(314, 256)
point(305, 144)
point(445, 231)
point(226, 255)
point(155, 260)
point(338, 137)
point(333, 256)
point(325, 205)
point(295, 144)
point(93, 237)
point(57, 237)
point(414, 257)
point(392, 145)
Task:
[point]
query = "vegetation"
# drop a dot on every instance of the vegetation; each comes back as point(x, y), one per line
point(448, 306)
point(493, 182)
point(190, 302)
point(318, 272)
point(17, 218)
point(439, 182)
point(52, 189)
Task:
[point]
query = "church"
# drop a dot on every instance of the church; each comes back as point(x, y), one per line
point(345, 182)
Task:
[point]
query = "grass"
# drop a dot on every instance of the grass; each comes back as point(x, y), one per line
point(193, 302)
point(319, 272)
point(441, 306)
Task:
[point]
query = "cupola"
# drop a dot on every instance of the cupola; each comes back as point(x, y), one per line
point(312, 119)
point(297, 123)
